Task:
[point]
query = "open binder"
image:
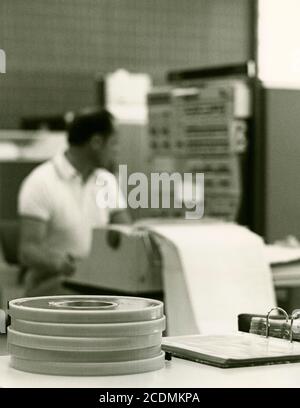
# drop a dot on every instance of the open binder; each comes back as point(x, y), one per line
point(239, 349)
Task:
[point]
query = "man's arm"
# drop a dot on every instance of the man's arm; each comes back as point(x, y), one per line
point(8, 273)
point(35, 254)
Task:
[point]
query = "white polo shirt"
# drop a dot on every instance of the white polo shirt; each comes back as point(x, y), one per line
point(54, 192)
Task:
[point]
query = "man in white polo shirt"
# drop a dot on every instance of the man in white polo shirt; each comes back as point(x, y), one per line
point(58, 205)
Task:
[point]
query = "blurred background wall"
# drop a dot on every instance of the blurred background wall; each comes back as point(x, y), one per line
point(55, 48)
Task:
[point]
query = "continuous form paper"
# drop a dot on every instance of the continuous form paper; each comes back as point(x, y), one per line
point(212, 273)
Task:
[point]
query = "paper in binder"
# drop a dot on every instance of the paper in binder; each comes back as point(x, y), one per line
point(238, 349)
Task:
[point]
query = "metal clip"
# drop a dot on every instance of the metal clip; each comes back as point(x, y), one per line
point(267, 318)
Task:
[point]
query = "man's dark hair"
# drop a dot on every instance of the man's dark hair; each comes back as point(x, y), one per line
point(86, 124)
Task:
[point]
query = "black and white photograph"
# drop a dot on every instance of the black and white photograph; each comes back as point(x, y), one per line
point(149, 198)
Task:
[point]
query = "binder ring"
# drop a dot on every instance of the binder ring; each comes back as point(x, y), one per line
point(295, 315)
point(267, 319)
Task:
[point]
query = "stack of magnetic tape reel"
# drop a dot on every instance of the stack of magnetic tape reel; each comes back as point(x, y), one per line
point(86, 335)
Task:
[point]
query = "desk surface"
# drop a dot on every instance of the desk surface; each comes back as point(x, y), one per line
point(177, 373)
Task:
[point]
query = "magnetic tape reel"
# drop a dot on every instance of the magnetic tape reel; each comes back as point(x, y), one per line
point(90, 330)
point(86, 309)
point(82, 343)
point(95, 368)
point(114, 335)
